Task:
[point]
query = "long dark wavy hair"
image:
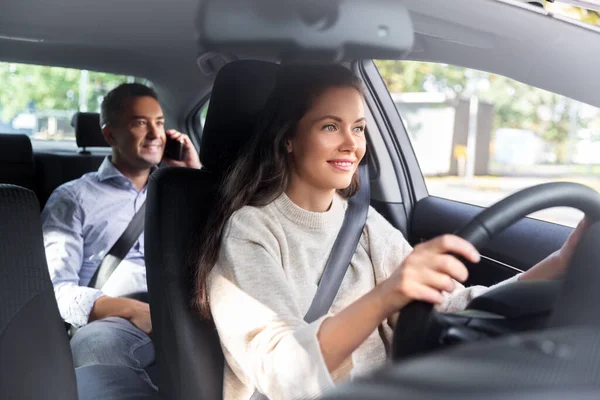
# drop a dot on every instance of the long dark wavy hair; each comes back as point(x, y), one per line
point(261, 172)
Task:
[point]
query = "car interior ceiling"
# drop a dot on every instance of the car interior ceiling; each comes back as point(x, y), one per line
point(184, 77)
point(455, 33)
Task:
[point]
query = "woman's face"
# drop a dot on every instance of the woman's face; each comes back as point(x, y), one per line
point(330, 140)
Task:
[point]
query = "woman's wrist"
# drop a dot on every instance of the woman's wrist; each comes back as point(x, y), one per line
point(549, 268)
point(340, 334)
point(383, 298)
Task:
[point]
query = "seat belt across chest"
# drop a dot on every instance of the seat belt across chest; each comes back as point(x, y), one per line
point(341, 254)
point(119, 250)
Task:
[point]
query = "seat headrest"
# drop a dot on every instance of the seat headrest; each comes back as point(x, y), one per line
point(240, 92)
point(87, 130)
point(16, 160)
point(15, 149)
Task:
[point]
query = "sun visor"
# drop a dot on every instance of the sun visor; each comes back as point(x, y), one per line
point(323, 30)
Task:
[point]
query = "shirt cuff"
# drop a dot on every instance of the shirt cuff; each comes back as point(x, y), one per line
point(76, 306)
point(460, 298)
point(479, 290)
point(298, 370)
point(307, 337)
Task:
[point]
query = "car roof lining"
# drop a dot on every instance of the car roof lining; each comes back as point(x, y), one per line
point(163, 48)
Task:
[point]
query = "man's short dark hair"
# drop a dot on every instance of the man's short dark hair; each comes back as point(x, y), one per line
point(113, 103)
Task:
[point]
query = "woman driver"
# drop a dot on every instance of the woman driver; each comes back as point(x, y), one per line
point(264, 251)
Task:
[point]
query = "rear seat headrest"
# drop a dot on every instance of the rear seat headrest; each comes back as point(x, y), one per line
point(15, 148)
point(16, 160)
point(240, 92)
point(87, 130)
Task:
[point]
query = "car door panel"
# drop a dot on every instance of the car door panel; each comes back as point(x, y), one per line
point(517, 248)
point(394, 213)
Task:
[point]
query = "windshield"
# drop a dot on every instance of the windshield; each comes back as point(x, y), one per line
point(585, 4)
point(585, 11)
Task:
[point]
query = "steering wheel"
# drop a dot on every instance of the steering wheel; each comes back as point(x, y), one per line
point(420, 328)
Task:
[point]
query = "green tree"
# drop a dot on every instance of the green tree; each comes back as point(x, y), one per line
point(589, 16)
point(403, 77)
point(30, 87)
point(516, 105)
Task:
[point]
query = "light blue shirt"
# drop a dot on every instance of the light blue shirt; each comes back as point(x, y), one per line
point(81, 222)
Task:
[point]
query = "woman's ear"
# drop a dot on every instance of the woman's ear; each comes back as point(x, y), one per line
point(288, 146)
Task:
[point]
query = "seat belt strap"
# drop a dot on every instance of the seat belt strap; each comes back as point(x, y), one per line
point(341, 254)
point(343, 249)
point(119, 250)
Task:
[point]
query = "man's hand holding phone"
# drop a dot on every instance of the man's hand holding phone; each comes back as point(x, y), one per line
point(180, 151)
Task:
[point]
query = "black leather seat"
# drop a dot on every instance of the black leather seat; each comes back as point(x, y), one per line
point(188, 352)
point(35, 357)
point(16, 160)
point(55, 169)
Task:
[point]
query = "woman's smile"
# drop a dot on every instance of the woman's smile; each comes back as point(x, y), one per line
point(345, 165)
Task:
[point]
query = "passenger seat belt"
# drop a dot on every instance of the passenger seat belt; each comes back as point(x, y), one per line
point(341, 254)
point(119, 250)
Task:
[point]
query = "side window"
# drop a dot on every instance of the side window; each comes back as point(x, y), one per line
point(40, 101)
point(479, 136)
point(201, 115)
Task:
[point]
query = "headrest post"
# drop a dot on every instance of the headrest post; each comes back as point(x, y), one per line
point(84, 151)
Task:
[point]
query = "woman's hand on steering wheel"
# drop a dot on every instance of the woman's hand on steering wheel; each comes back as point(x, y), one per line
point(427, 271)
point(555, 265)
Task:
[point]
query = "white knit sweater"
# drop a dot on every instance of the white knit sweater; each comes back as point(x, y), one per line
point(264, 281)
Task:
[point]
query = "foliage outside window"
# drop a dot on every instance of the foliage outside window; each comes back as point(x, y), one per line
point(39, 101)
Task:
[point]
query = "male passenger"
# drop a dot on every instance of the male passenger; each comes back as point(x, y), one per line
point(85, 217)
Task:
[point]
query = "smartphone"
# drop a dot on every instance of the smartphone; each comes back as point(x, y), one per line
point(174, 149)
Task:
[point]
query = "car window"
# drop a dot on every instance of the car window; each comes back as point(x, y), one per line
point(479, 137)
point(202, 115)
point(40, 101)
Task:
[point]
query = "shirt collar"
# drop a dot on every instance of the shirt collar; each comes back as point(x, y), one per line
point(108, 171)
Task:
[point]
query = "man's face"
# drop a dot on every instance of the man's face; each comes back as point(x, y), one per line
point(138, 135)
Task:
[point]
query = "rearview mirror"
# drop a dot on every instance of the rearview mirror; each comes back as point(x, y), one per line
point(325, 30)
